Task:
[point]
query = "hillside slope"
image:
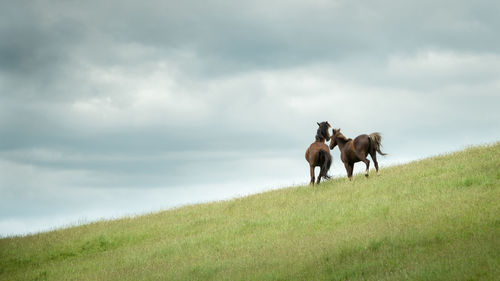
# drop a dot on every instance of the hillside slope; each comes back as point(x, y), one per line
point(435, 219)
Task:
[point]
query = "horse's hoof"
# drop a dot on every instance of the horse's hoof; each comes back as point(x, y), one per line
point(366, 175)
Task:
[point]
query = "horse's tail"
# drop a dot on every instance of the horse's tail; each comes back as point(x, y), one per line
point(325, 158)
point(376, 139)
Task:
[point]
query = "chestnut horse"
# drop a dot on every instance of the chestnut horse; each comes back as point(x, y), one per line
point(318, 153)
point(352, 151)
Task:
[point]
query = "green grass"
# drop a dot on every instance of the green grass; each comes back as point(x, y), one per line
point(435, 219)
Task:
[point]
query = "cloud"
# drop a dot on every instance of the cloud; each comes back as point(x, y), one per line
point(121, 95)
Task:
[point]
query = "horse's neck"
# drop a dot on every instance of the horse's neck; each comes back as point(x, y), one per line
point(320, 139)
point(341, 143)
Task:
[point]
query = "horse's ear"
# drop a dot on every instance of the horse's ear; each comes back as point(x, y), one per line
point(328, 124)
point(317, 123)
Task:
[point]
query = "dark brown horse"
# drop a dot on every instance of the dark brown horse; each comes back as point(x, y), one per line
point(318, 153)
point(352, 151)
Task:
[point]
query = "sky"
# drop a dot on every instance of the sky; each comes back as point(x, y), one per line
point(118, 108)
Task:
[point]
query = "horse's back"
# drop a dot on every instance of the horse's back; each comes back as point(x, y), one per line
point(362, 143)
point(317, 146)
point(312, 153)
point(361, 138)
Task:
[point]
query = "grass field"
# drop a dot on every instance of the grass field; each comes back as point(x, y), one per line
point(435, 219)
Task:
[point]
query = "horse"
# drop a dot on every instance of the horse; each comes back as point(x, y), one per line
point(318, 153)
point(352, 151)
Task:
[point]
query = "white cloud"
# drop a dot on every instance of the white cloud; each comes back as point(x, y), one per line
point(442, 68)
point(135, 96)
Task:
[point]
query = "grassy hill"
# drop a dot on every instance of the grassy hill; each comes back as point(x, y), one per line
point(435, 219)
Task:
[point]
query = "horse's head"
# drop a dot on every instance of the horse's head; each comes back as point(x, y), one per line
point(333, 142)
point(323, 132)
point(337, 137)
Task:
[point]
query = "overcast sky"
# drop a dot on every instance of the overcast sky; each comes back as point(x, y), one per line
point(112, 108)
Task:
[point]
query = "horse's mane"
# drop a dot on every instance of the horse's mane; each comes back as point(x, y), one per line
point(339, 135)
point(322, 133)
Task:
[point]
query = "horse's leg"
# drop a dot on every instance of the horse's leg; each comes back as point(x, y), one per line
point(348, 168)
point(374, 158)
point(361, 154)
point(367, 163)
point(311, 168)
point(321, 174)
